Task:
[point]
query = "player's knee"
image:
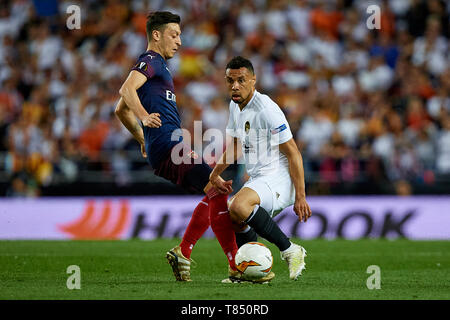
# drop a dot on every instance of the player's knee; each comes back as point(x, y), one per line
point(239, 210)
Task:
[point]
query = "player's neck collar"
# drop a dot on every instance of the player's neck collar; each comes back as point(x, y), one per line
point(251, 100)
point(155, 53)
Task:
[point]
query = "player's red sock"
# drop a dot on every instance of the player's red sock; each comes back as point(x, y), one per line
point(222, 226)
point(198, 224)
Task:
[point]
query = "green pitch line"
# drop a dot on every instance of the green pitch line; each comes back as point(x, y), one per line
point(138, 269)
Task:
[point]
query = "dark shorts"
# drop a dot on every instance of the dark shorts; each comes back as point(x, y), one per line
point(189, 174)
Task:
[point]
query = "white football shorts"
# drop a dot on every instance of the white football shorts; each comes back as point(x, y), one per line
point(276, 191)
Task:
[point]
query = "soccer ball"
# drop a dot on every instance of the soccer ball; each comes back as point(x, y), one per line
point(254, 260)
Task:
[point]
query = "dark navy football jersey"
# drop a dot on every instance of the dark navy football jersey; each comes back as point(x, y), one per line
point(157, 96)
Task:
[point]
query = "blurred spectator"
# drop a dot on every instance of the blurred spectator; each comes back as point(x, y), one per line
point(216, 115)
point(431, 50)
point(439, 104)
point(315, 131)
point(387, 49)
point(378, 76)
point(350, 126)
point(45, 46)
point(22, 186)
point(403, 188)
point(326, 19)
point(425, 149)
point(93, 137)
point(298, 14)
point(416, 17)
point(443, 146)
point(416, 116)
point(369, 109)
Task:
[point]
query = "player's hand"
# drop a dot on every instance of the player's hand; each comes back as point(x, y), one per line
point(152, 120)
point(144, 154)
point(302, 209)
point(221, 185)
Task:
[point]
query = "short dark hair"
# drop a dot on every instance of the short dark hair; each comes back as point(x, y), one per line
point(158, 19)
point(239, 62)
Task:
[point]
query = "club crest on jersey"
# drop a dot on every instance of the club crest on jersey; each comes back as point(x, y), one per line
point(247, 127)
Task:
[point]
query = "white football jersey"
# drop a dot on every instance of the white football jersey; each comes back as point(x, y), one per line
point(261, 127)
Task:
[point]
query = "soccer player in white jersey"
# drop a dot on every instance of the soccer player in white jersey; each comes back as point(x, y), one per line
point(273, 163)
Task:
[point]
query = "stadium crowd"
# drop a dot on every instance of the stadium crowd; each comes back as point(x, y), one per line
point(364, 105)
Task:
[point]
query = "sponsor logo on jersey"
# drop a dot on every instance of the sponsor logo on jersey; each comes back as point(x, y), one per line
point(171, 96)
point(248, 148)
point(279, 129)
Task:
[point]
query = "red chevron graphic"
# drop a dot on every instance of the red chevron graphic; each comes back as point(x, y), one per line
point(267, 270)
point(245, 264)
point(86, 226)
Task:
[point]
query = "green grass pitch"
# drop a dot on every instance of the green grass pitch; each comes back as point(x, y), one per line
point(137, 269)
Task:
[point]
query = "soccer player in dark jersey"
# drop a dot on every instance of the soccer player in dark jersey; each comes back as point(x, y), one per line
point(148, 94)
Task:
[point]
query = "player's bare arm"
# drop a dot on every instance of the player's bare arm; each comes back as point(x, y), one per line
point(301, 207)
point(225, 160)
point(128, 119)
point(128, 93)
